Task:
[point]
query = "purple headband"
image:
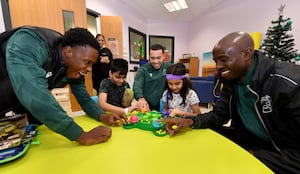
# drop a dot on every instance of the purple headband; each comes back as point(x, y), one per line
point(175, 77)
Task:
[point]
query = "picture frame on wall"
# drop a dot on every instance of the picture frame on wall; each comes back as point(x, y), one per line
point(167, 42)
point(137, 46)
point(208, 65)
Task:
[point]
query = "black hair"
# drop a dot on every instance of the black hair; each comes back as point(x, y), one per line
point(157, 47)
point(119, 65)
point(79, 37)
point(179, 69)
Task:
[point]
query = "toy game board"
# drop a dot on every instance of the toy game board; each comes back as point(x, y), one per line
point(147, 121)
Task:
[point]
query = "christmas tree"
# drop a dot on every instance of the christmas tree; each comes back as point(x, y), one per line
point(279, 42)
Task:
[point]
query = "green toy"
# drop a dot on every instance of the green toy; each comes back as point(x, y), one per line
point(147, 122)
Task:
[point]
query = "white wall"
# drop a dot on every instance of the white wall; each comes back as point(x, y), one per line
point(237, 15)
point(129, 18)
point(204, 31)
point(177, 29)
point(2, 27)
point(137, 21)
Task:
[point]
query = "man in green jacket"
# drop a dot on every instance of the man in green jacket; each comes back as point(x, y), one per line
point(150, 79)
point(34, 60)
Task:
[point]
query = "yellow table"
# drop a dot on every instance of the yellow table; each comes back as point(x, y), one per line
point(136, 151)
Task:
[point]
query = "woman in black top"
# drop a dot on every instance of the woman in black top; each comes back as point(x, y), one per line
point(101, 67)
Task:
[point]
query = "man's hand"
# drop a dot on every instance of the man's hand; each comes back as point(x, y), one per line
point(97, 135)
point(142, 104)
point(174, 125)
point(114, 119)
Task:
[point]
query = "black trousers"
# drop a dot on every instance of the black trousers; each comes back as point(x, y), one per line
point(8, 99)
point(286, 161)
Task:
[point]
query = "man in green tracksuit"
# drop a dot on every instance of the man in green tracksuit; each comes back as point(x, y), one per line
point(149, 82)
point(34, 60)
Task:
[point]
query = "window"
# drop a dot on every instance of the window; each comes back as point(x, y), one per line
point(93, 24)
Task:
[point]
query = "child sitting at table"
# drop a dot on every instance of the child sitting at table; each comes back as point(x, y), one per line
point(179, 98)
point(113, 89)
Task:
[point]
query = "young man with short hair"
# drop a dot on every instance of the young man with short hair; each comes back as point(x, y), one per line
point(150, 80)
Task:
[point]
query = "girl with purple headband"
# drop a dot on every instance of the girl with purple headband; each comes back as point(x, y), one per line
point(179, 98)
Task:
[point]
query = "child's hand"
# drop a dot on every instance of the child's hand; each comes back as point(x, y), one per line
point(174, 112)
point(132, 108)
point(114, 119)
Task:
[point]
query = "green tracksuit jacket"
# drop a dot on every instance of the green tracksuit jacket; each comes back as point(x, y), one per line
point(150, 83)
point(26, 54)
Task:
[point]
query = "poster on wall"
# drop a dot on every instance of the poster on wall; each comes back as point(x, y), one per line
point(256, 36)
point(113, 45)
point(137, 46)
point(209, 65)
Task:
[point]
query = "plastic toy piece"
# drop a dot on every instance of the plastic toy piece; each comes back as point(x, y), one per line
point(156, 124)
point(144, 110)
point(174, 126)
point(134, 119)
point(147, 122)
point(165, 114)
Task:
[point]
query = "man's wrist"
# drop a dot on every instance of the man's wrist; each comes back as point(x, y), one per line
point(81, 138)
point(194, 120)
point(100, 117)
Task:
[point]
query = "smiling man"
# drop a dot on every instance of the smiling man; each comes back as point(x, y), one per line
point(34, 60)
point(150, 79)
point(262, 98)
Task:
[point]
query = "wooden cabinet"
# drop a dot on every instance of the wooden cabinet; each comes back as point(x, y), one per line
point(111, 28)
point(192, 65)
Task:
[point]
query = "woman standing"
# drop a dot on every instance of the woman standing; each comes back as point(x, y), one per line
point(101, 67)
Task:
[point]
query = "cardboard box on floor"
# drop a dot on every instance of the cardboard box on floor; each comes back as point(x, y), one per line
point(62, 95)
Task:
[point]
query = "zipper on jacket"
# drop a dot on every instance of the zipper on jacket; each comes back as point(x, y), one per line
point(230, 105)
point(259, 116)
point(215, 95)
point(215, 88)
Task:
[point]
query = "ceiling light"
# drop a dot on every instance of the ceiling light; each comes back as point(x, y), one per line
point(182, 4)
point(169, 7)
point(175, 5)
